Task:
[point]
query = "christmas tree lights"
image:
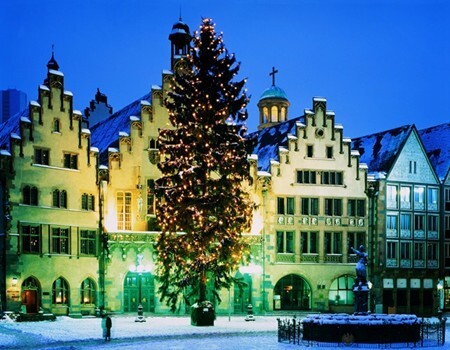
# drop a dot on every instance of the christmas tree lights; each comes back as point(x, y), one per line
point(203, 207)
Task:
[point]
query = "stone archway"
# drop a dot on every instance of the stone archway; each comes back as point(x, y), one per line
point(292, 292)
point(31, 295)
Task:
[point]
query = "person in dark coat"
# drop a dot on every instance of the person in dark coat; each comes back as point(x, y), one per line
point(106, 325)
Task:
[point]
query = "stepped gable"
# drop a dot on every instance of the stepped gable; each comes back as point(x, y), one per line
point(10, 128)
point(269, 139)
point(380, 150)
point(105, 134)
point(436, 141)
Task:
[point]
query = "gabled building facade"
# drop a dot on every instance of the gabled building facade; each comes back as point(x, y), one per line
point(404, 249)
point(314, 203)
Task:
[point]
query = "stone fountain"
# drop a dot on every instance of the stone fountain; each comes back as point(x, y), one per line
point(361, 327)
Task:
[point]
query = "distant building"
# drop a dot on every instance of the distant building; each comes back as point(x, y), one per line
point(12, 101)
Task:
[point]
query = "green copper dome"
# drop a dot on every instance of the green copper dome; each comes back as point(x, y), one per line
point(274, 92)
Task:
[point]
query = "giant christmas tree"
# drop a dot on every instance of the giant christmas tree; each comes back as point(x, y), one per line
point(204, 208)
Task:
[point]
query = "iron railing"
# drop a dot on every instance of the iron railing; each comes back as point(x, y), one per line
point(432, 333)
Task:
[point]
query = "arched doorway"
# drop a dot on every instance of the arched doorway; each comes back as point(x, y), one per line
point(292, 293)
point(242, 295)
point(31, 295)
point(139, 289)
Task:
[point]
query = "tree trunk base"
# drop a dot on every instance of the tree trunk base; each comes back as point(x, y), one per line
point(202, 315)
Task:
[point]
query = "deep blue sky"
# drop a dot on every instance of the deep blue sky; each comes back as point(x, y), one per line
point(380, 63)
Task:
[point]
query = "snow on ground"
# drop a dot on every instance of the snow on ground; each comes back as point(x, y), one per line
point(157, 332)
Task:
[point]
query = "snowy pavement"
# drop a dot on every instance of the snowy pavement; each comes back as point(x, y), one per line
point(156, 333)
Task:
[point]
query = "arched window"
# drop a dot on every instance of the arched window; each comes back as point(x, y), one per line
point(63, 199)
point(274, 114)
point(88, 291)
point(283, 114)
point(60, 292)
point(341, 291)
point(56, 197)
point(265, 114)
point(34, 196)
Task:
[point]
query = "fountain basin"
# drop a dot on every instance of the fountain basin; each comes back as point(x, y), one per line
point(372, 328)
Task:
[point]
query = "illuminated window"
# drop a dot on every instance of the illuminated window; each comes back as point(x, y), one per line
point(391, 197)
point(60, 240)
point(405, 197)
point(419, 197)
point(432, 199)
point(123, 210)
point(283, 114)
point(392, 225)
point(31, 238)
point(274, 113)
point(88, 291)
point(60, 292)
point(87, 242)
point(405, 225)
point(341, 291)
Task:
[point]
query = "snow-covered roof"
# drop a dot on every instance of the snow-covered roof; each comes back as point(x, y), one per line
point(76, 111)
point(68, 93)
point(270, 139)
point(44, 87)
point(436, 141)
point(380, 150)
point(56, 72)
point(105, 133)
point(34, 103)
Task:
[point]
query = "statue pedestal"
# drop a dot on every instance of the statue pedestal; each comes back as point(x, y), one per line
point(361, 293)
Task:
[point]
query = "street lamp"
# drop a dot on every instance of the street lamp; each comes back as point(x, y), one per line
point(140, 268)
point(251, 269)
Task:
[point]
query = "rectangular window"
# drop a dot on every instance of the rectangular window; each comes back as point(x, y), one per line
point(447, 255)
point(419, 197)
point(87, 201)
point(412, 167)
point(332, 178)
point(87, 242)
point(330, 152)
point(356, 239)
point(60, 240)
point(405, 250)
point(447, 199)
point(447, 226)
point(419, 251)
point(151, 199)
point(433, 199)
point(419, 222)
point(285, 242)
point(432, 255)
point(286, 205)
point(391, 226)
point(31, 238)
point(356, 207)
point(405, 197)
point(333, 243)
point(333, 206)
point(391, 197)
point(123, 210)
point(41, 156)
point(309, 242)
point(70, 161)
point(306, 176)
point(310, 206)
point(391, 254)
point(405, 225)
point(310, 151)
point(433, 223)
